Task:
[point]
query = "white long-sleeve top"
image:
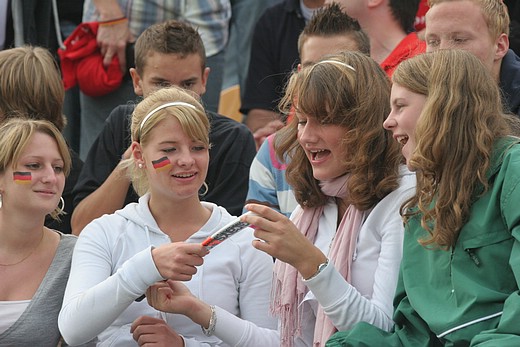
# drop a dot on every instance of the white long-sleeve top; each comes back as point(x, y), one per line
point(370, 294)
point(112, 265)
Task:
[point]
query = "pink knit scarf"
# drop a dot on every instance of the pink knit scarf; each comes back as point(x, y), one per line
point(288, 289)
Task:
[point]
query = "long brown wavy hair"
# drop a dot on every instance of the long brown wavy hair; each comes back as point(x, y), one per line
point(356, 100)
point(461, 119)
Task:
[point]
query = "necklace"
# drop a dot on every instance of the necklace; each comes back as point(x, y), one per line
point(28, 255)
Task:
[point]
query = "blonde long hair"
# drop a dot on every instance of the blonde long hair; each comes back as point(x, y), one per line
point(193, 121)
point(15, 134)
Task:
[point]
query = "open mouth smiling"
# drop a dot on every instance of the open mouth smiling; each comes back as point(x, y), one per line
point(320, 153)
point(402, 139)
point(184, 175)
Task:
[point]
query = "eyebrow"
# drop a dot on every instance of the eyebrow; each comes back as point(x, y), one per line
point(167, 142)
point(396, 100)
point(159, 79)
point(189, 80)
point(37, 157)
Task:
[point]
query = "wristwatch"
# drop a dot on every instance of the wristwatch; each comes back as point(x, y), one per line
point(321, 267)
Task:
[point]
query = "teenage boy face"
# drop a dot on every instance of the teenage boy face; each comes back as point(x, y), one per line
point(461, 24)
point(316, 47)
point(164, 70)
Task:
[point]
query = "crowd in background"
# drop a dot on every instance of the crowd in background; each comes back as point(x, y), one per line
point(374, 164)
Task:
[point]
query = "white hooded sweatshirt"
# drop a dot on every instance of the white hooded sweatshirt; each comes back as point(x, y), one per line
point(112, 265)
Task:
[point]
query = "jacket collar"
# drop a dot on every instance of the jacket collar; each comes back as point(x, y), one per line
point(499, 150)
point(293, 6)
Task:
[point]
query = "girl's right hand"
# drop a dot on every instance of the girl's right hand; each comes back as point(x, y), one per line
point(178, 260)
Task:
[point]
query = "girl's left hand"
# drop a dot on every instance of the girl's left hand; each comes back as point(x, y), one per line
point(280, 238)
point(174, 297)
point(170, 296)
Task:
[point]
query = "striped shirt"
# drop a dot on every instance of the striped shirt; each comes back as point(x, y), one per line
point(267, 183)
point(210, 17)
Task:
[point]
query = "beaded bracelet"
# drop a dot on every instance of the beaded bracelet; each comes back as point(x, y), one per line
point(212, 322)
point(113, 21)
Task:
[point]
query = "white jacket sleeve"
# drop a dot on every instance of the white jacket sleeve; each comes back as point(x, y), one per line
point(239, 332)
point(343, 303)
point(191, 342)
point(255, 326)
point(249, 322)
point(94, 296)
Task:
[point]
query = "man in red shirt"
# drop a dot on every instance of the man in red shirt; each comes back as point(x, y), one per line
point(389, 25)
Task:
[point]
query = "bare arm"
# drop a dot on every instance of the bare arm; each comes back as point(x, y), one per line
point(108, 9)
point(112, 39)
point(258, 118)
point(262, 123)
point(108, 198)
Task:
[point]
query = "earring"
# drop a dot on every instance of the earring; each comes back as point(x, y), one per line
point(0, 200)
point(62, 208)
point(206, 188)
point(140, 165)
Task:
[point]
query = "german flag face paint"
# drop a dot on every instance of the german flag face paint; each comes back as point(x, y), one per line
point(22, 177)
point(162, 164)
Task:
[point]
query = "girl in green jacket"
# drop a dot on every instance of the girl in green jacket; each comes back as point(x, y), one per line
point(460, 271)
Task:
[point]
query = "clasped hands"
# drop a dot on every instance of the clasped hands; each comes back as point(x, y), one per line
point(275, 235)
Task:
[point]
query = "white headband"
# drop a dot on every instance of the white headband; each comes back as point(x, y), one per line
point(175, 103)
point(336, 62)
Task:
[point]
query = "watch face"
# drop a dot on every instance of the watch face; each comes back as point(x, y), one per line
point(323, 266)
point(320, 269)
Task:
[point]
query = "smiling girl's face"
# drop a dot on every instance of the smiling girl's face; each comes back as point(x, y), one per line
point(176, 164)
point(35, 183)
point(323, 146)
point(406, 107)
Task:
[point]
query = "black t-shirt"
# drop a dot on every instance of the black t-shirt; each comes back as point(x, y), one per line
point(274, 54)
point(510, 82)
point(231, 153)
point(513, 7)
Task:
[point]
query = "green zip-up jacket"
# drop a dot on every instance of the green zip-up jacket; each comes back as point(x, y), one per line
point(466, 296)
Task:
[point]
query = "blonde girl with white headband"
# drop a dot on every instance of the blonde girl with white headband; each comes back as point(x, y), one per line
point(338, 255)
point(159, 238)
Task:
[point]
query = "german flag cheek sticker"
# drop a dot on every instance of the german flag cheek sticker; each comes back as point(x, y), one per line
point(22, 177)
point(162, 164)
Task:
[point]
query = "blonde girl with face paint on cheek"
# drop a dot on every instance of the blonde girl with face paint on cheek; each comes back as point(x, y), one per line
point(34, 260)
point(159, 238)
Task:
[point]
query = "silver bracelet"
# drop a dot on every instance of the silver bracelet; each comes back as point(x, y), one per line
point(212, 322)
